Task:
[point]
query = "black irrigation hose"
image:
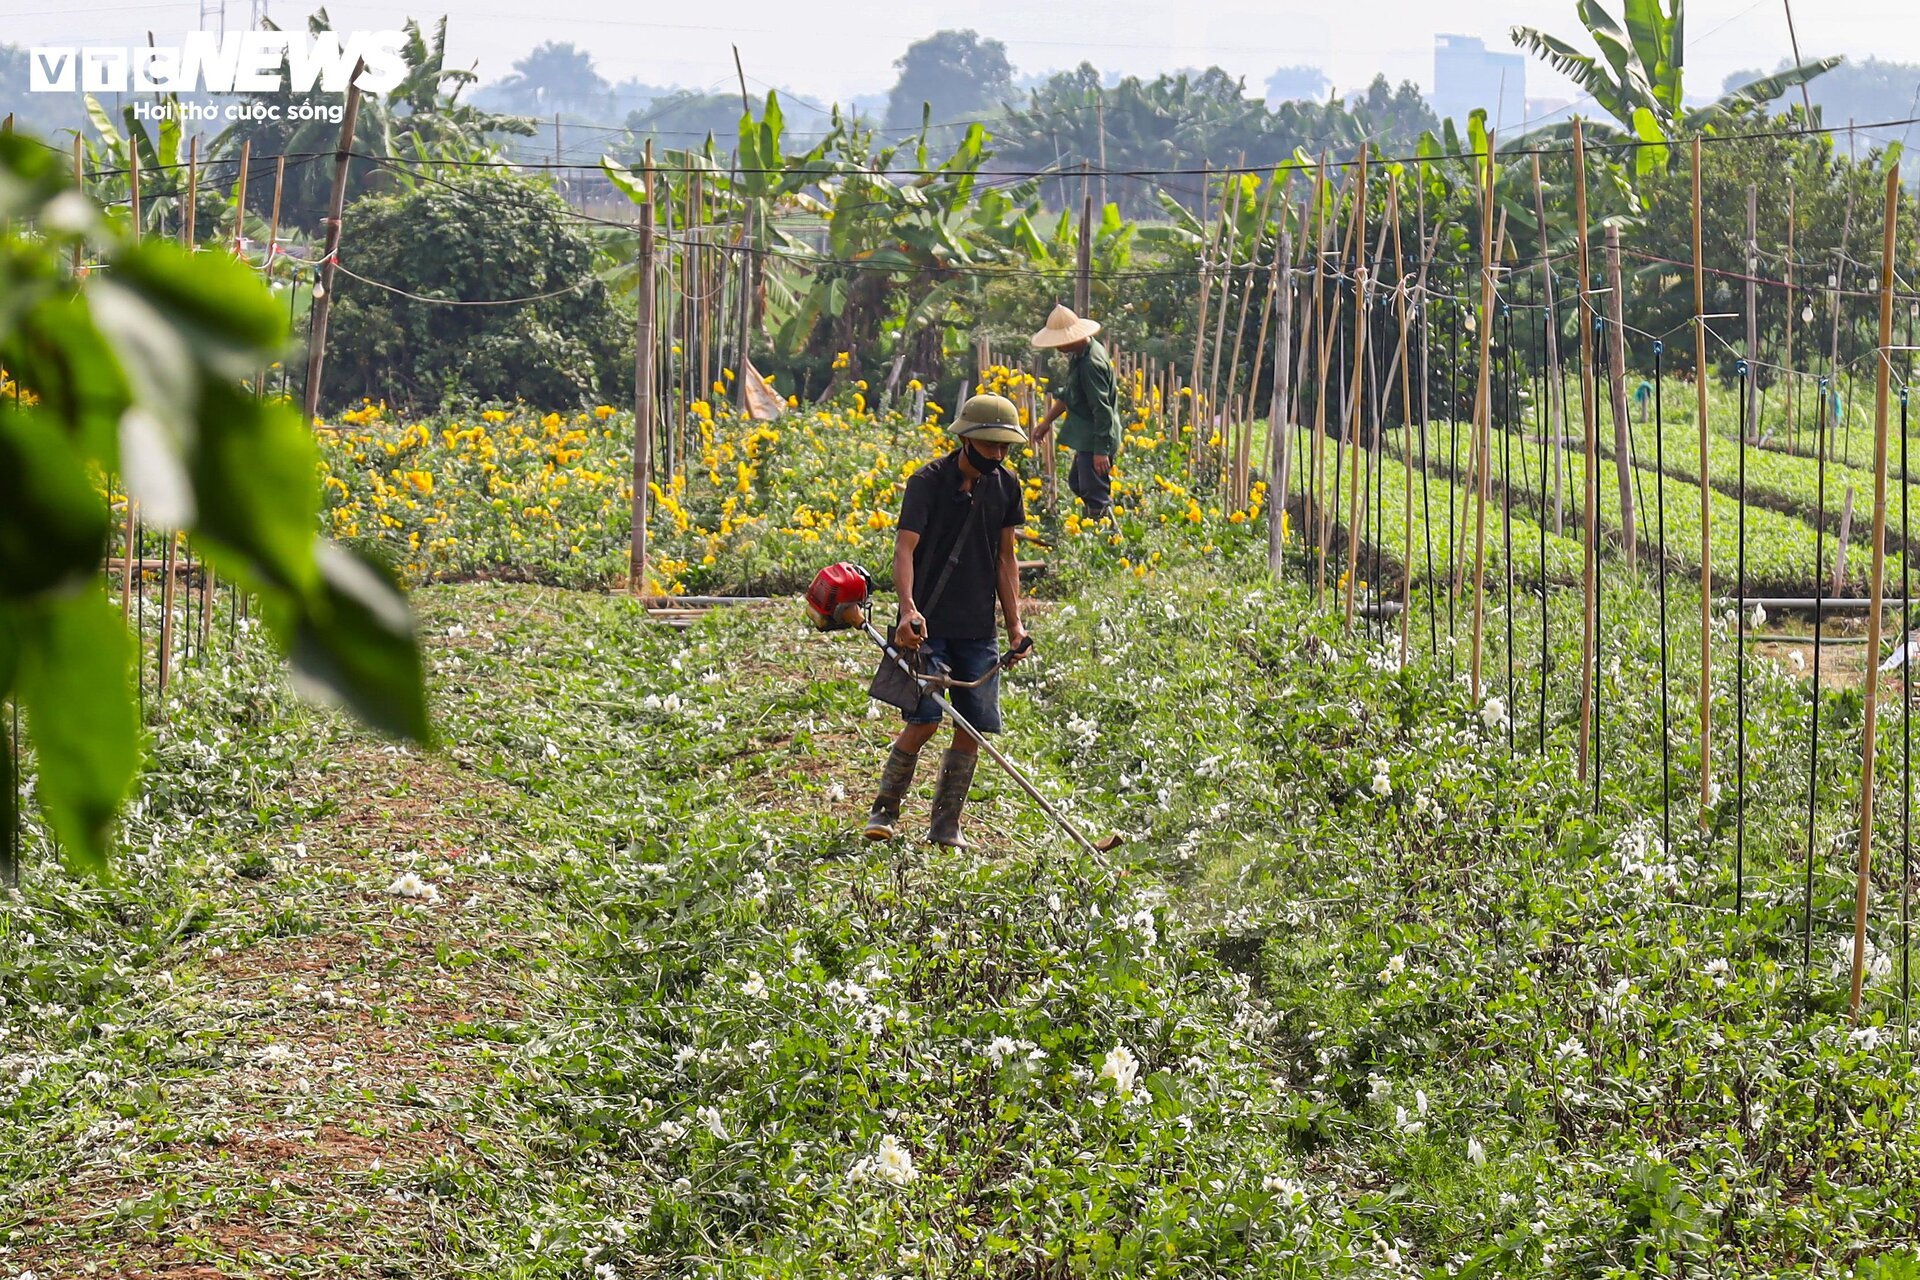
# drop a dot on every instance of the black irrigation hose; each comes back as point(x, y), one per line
point(1819, 616)
point(1660, 501)
point(1744, 373)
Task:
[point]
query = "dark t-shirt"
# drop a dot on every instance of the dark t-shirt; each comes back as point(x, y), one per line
point(936, 509)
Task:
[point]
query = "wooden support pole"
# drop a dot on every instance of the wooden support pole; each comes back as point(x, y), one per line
point(1279, 438)
point(1083, 254)
point(1590, 497)
point(240, 199)
point(1551, 420)
point(167, 577)
point(80, 184)
point(1217, 409)
point(187, 228)
point(1790, 384)
point(1361, 292)
point(1881, 375)
point(1275, 279)
point(1706, 508)
point(1406, 415)
point(1310, 488)
point(1483, 411)
point(643, 414)
point(1325, 486)
point(1200, 325)
point(323, 293)
point(1617, 381)
point(1243, 422)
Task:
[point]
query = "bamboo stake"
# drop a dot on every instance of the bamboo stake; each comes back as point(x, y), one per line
point(80, 183)
point(1617, 380)
point(1323, 521)
point(166, 619)
point(1229, 244)
point(1200, 326)
point(1406, 417)
point(336, 204)
point(643, 355)
point(1310, 490)
point(1267, 305)
point(1279, 439)
point(1478, 452)
point(1483, 412)
point(1590, 496)
point(1553, 421)
point(1239, 436)
point(1361, 281)
point(133, 508)
point(1706, 509)
point(1881, 376)
point(240, 200)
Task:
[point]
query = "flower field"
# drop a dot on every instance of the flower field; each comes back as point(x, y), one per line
point(757, 506)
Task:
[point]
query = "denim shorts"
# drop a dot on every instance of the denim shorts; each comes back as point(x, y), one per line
point(965, 660)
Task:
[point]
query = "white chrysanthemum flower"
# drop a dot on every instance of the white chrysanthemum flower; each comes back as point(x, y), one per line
point(1476, 1154)
point(1122, 1068)
point(410, 885)
point(1395, 967)
point(1493, 714)
point(1570, 1050)
point(755, 986)
point(893, 1163)
point(1420, 1101)
point(1404, 1123)
point(710, 1117)
point(1759, 615)
point(1719, 970)
point(1285, 1190)
point(1382, 780)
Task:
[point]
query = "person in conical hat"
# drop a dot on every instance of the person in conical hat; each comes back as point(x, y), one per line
point(954, 559)
point(1091, 405)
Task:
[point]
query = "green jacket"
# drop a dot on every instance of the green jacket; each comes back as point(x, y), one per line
point(1092, 422)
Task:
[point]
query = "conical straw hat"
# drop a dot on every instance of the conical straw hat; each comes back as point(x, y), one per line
point(1065, 328)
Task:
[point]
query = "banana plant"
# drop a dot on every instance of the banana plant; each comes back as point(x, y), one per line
point(1638, 76)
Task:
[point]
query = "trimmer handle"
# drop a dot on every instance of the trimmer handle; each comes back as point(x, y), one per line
point(1017, 651)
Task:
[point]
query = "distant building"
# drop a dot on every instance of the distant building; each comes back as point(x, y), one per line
point(1466, 75)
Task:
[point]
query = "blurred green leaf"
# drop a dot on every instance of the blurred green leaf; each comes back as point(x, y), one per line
point(357, 647)
point(53, 525)
point(74, 681)
point(253, 476)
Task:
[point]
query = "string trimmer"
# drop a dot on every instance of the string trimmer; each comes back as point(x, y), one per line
point(841, 599)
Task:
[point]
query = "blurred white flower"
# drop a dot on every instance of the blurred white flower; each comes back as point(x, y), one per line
point(710, 1117)
point(1122, 1068)
point(1719, 970)
point(1759, 614)
point(755, 985)
point(1476, 1154)
point(410, 885)
point(1493, 714)
point(1403, 1123)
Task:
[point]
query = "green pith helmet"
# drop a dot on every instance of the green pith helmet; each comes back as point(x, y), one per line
point(992, 418)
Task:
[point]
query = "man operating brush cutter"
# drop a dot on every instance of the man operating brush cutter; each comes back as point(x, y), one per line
point(953, 559)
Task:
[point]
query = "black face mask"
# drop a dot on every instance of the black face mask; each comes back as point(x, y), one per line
point(980, 462)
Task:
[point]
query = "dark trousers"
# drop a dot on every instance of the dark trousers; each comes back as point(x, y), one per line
point(1094, 490)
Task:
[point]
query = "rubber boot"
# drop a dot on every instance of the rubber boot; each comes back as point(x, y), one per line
point(895, 777)
point(950, 797)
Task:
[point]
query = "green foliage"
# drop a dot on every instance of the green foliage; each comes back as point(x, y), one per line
point(421, 120)
point(1638, 76)
point(475, 237)
point(133, 372)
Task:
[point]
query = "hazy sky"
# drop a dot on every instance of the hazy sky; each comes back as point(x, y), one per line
point(844, 49)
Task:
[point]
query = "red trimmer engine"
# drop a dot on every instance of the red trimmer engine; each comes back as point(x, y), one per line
point(837, 599)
